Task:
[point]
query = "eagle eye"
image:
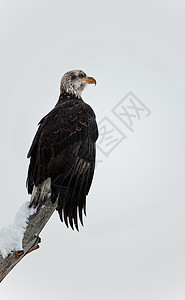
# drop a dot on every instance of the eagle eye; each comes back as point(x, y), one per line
point(73, 77)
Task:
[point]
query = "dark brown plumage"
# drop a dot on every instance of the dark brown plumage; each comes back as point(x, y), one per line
point(62, 154)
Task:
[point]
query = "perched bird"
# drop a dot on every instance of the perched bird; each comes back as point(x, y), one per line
point(62, 154)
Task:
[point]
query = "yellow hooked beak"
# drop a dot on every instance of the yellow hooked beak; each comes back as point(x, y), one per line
point(89, 80)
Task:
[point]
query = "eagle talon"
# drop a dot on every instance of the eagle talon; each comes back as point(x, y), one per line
point(19, 253)
point(33, 248)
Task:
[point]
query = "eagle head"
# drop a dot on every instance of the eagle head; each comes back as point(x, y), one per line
point(73, 82)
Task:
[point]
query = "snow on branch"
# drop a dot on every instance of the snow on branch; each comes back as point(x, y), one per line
point(12, 235)
point(22, 237)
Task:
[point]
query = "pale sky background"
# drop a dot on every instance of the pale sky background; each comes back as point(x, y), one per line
point(132, 246)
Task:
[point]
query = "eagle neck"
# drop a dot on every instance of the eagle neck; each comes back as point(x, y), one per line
point(66, 97)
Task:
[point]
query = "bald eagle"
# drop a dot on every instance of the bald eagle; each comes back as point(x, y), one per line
point(62, 154)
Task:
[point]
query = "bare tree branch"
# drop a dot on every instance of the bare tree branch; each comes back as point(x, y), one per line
point(31, 239)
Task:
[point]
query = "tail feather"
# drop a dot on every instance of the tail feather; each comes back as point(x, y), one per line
point(69, 189)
